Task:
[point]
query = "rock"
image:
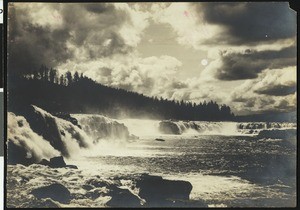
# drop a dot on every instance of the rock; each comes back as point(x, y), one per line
point(94, 194)
point(161, 192)
point(157, 139)
point(17, 154)
point(24, 180)
point(169, 127)
point(71, 166)
point(42, 203)
point(87, 187)
point(56, 192)
point(97, 183)
point(44, 162)
point(123, 198)
point(57, 162)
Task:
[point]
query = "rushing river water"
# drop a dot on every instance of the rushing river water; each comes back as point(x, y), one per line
point(227, 166)
point(224, 170)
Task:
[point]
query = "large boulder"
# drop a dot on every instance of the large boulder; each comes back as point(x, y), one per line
point(169, 127)
point(17, 154)
point(123, 198)
point(161, 192)
point(56, 162)
point(97, 182)
point(56, 192)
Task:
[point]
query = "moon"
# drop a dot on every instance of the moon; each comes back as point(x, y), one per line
point(204, 62)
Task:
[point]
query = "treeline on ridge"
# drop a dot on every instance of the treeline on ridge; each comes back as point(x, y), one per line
point(76, 93)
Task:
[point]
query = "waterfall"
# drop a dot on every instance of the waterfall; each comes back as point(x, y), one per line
point(99, 127)
point(24, 145)
point(37, 134)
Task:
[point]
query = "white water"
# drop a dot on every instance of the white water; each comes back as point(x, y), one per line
point(108, 158)
point(141, 127)
point(149, 128)
point(72, 136)
point(106, 136)
point(100, 127)
point(21, 135)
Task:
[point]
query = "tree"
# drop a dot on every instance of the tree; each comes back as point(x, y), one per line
point(69, 77)
point(76, 77)
point(62, 80)
point(52, 75)
point(35, 75)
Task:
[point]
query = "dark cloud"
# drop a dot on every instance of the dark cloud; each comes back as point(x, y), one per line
point(250, 22)
point(278, 90)
point(178, 85)
point(249, 103)
point(92, 29)
point(98, 8)
point(31, 45)
point(106, 71)
point(248, 65)
point(284, 106)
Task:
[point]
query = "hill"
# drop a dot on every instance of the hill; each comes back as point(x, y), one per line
point(78, 94)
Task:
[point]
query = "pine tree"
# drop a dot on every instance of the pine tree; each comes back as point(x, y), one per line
point(76, 77)
point(69, 78)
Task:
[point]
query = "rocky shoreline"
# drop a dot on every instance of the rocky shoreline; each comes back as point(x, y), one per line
point(63, 186)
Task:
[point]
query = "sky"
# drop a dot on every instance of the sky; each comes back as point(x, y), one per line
point(241, 54)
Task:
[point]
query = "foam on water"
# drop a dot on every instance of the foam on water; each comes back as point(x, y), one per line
point(179, 157)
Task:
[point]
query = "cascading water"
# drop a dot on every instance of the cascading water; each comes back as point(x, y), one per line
point(216, 157)
point(67, 138)
point(144, 128)
point(100, 127)
point(41, 135)
point(141, 127)
point(24, 145)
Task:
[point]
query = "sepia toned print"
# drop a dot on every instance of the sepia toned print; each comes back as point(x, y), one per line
point(151, 105)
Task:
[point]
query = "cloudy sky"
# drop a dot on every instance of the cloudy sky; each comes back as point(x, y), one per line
point(240, 54)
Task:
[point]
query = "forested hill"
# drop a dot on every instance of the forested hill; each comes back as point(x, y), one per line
point(78, 94)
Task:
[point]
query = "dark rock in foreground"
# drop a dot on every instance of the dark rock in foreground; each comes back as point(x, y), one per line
point(55, 191)
point(44, 162)
point(71, 166)
point(161, 192)
point(123, 198)
point(56, 162)
point(97, 183)
point(17, 154)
